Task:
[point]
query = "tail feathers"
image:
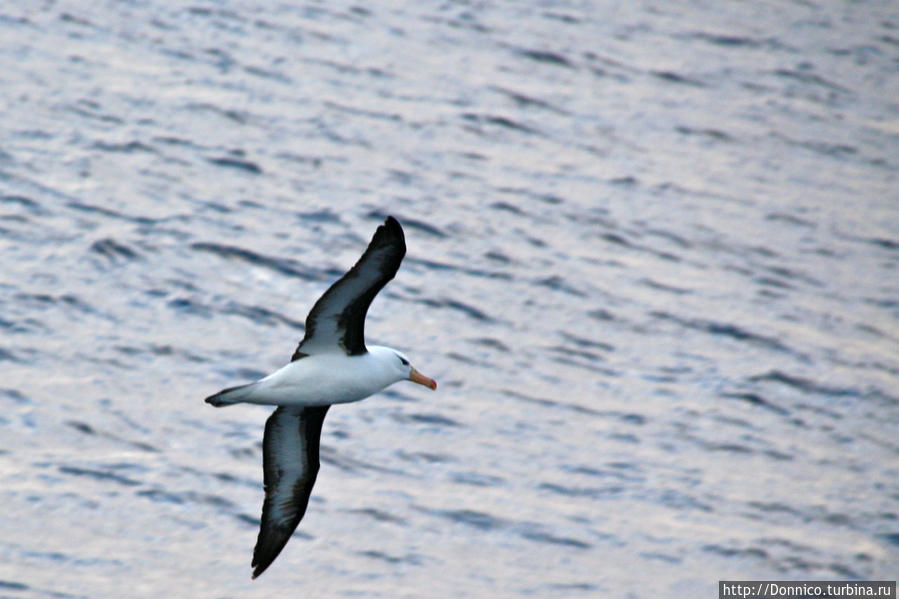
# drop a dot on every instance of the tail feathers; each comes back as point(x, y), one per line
point(229, 396)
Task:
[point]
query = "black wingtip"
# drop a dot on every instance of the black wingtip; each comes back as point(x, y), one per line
point(260, 564)
point(393, 226)
point(390, 232)
point(268, 547)
point(389, 229)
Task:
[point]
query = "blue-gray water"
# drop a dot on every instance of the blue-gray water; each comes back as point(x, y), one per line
point(653, 252)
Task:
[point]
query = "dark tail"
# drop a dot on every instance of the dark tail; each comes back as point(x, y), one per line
point(228, 397)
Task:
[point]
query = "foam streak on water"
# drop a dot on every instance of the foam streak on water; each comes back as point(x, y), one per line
point(653, 255)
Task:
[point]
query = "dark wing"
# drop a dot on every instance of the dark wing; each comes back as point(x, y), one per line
point(290, 465)
point(337, 320)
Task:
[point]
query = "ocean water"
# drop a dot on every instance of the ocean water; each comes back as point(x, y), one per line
point(653, 264)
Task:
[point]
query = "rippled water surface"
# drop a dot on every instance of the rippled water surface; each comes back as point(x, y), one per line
point(653, 252)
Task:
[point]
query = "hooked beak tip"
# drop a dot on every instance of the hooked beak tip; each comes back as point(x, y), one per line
point(417, 377)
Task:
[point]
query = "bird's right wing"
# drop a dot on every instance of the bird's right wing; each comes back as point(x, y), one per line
point(290, 462)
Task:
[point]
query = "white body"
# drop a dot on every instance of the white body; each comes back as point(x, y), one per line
point(326, 378)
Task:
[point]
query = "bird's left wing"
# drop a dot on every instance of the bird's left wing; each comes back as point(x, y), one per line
point(337, 320)
point(290, 462)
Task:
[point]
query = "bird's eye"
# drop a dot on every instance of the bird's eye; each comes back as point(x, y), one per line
point(403, 360)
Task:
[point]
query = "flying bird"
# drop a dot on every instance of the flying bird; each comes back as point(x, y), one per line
point(331, 365)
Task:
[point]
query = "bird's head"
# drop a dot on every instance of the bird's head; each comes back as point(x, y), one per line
point(413, 375)
point(399, 365)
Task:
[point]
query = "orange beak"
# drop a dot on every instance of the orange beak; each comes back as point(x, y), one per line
point(417, 377)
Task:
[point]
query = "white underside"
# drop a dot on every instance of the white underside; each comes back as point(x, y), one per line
point(324, 379)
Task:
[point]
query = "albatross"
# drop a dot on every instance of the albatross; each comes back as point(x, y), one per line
point(331, 365)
